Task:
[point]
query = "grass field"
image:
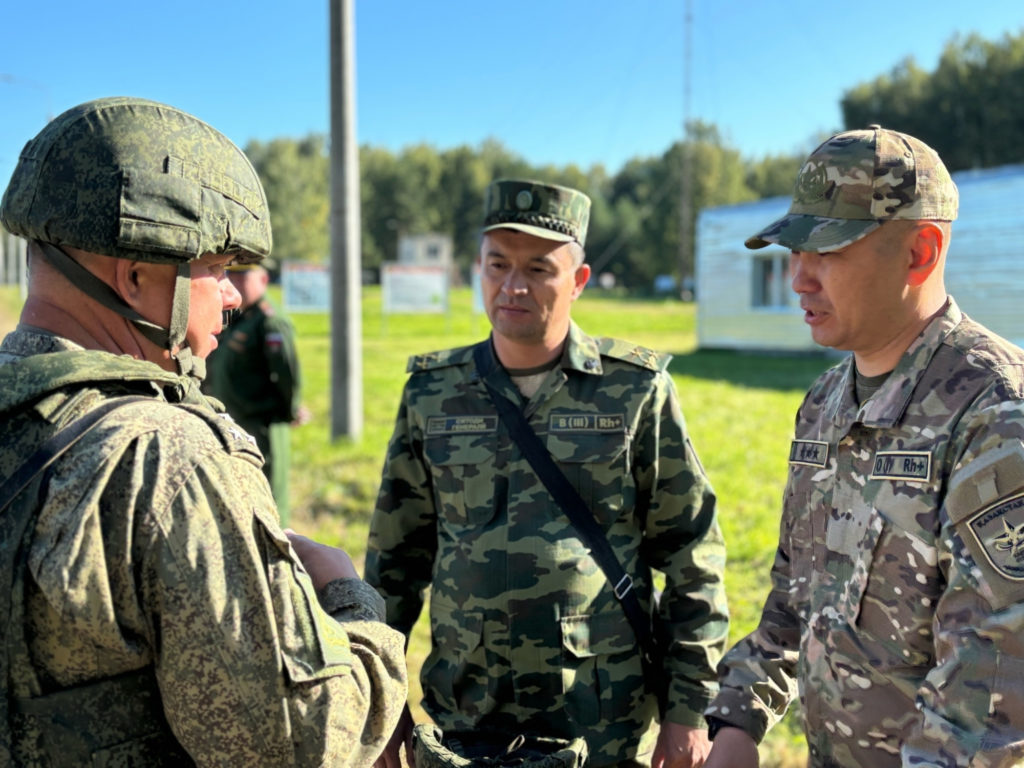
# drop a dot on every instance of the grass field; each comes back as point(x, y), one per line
point(739, 410)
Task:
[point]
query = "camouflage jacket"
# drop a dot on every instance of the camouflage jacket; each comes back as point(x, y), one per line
point(897, 602)
point(156, 546)
point(527, 633)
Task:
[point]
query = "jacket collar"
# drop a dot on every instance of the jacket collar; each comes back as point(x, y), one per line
point(888, 405)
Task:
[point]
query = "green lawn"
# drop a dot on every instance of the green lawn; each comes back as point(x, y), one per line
point(739, 409)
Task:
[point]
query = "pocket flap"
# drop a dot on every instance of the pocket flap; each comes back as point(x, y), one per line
point(600, 634)
point(455, 450)
point(578, 448)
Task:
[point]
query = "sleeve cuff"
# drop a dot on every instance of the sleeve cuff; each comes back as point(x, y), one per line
point(352, 600)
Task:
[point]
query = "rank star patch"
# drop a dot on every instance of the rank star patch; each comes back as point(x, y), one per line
point(1000, 532)
point(912, 466)
point(461, 425)
point(813, 453)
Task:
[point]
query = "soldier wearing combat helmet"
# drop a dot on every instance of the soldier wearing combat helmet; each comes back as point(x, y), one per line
point(156, 612)
point(897, 603)
point(531, 645)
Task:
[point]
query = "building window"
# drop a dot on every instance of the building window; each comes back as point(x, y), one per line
point(771, 280)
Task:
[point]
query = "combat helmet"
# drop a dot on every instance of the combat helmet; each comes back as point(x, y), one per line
point(135, 179)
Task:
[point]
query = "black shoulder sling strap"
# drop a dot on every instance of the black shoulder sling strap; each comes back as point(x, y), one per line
point(575, 508)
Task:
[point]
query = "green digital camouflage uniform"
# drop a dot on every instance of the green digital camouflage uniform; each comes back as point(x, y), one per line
point(152, 603)
point(156, 547)
point(527, 633)
point(254, 371)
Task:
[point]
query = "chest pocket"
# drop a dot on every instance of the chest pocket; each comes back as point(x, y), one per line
point(598, 466)
point(462, 467)
point(885, 576)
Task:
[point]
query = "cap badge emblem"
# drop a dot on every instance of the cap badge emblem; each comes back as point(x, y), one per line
point(524, 199)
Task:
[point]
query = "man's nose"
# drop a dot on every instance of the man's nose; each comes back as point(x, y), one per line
point(230, 298)
point(515, 283)
point(801, 272)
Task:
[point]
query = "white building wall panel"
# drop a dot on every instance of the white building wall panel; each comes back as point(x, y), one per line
point(985, 268)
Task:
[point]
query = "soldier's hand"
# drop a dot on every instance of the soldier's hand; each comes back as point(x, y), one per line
point(402, 736)
point(733, 748)
point(680, 746)
point(323, 563)
point(302, 416)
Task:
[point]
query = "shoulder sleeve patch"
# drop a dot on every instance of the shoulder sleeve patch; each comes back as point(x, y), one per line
point(986, 504)
point(633, 353)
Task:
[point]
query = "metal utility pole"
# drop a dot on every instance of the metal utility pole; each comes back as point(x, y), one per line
point(686, 260)
point(346, 300)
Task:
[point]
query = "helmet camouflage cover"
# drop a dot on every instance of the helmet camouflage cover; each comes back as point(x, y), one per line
point(136, 179)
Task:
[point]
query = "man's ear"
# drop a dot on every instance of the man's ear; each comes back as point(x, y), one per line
point(127, 281)
point(145, 287)
point(581, 277)
point(926, 248)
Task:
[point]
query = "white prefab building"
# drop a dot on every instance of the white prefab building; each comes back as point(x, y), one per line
point(745, 301)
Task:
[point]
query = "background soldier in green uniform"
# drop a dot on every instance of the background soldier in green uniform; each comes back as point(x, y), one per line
point(154, 611)
point(528, 636)
point(897, 602)
point(255, 372)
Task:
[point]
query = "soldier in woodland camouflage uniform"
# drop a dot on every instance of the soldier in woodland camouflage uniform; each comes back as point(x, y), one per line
point(528, 637)
point(897, 602)
point(155, 612)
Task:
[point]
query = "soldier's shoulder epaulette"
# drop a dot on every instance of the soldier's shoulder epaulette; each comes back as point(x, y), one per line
point(635, 354)
point(441, 359)
point(232, 437)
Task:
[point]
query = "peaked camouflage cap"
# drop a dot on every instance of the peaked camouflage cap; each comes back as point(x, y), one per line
point(137, 179)
point(856, 181)
point(544, 210)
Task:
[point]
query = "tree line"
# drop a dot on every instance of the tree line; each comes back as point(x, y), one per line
point(634, 223)
point(970, 109)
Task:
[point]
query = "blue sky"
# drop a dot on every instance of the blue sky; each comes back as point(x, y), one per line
point(557, 81)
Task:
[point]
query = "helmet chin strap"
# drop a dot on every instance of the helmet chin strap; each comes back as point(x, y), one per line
point(165, 338)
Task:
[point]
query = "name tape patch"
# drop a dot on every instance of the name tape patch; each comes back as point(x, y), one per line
point(461, 425)
point(912, 466)
point(1000, 532)
point(587, 422)
point(813, 453)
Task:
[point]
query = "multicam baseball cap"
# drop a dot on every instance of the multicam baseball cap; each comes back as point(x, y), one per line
point(544, 210)
point(855, 182)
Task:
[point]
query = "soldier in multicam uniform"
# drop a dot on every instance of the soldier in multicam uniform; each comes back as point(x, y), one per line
point(528, 636)
point(155, 612)
point(255, 372)
point(897, 601)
